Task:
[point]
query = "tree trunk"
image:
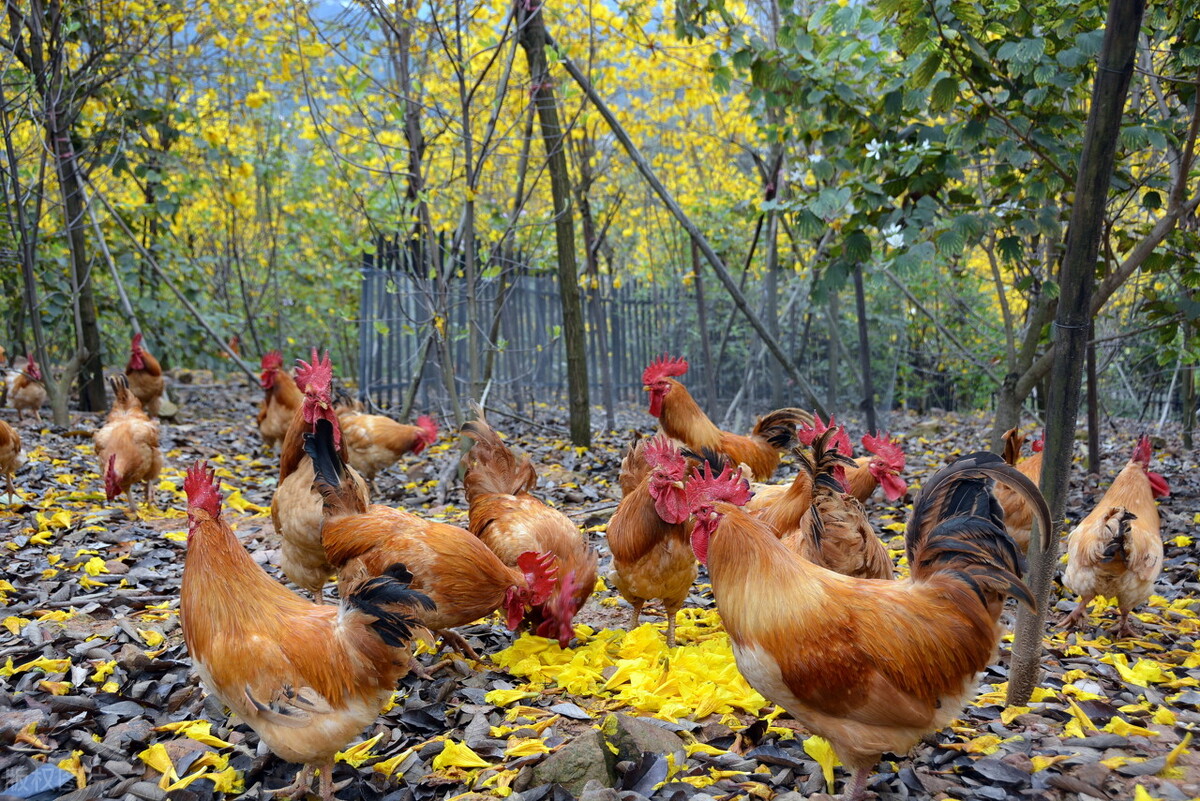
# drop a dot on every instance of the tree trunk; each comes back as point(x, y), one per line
point(710, 392)
point(533, 41)
point(92, 397)
point(1189, 406)
point(772, 305)
point(831, 316)
point(1076, 281)
point(864, 351)
point(1093, 404)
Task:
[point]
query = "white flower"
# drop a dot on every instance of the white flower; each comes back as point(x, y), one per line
point(906, 147)
point(874, 148)
point(924, 146)
point(815, 158)
point(893, 235)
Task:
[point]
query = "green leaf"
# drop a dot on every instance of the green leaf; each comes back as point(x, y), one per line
point(944, 93)
point(857, 247)
point(923, 74)
point(1152, 200)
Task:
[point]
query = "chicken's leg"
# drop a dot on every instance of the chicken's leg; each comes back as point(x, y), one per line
point(858, 785)
point(637, 614)
point(12, 491)
point(325, 781)
point(150, 501)
point(133, 507)
point(671, 611)
point(299, 787)
point(1072, 620)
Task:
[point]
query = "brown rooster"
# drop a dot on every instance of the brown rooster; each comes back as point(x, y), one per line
point(10, 458)
point(145, 377)
point(127, 446)
point(465, 580)
point(307, 677)
point(27, 392)
point(871, 666)
point(648, 534)
point(281, 398)
point(1018, 515)
point(681, 418)
point(512, 522)
point(296, 506)
point(1117, 551)
point(375, 442)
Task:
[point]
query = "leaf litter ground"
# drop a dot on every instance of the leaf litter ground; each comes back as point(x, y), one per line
point(98, 699)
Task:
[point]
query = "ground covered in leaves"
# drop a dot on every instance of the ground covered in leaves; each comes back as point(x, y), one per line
point(98, 698)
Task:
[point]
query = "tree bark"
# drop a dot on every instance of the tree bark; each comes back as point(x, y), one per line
point(710, 392)
point(92, 397)
point(864, 350)
point(831, 317)
point(1093, 403)
point(1076, 280)
point(533, 39)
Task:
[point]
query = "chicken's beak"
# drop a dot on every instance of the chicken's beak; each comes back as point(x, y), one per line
point(677, 484)
point(647, 389)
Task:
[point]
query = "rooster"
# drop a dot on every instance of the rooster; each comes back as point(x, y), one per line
point(512, 522)
point(871, 666)
point(27, 392)
point(127, 446)
point(1117, 551)
point(465, 580)
point(10, 458)
point(281, 398)
point(648, 534)
point(833, 531)
point(307, 677)
point(1018, 516)
point(681, 418)
point(375, 442)
point(145, 377)
point(296, 506)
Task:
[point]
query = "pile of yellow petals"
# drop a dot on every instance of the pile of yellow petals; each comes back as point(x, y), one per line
point(693, 680)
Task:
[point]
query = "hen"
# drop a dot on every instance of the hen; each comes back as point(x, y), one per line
point(145, 377)
point(10, 458)
point(681, 418)
point(375, 442)
point(281, 398)
point(307, 677)
point(871, 666)
point(127, 446)
point(1018, 516)
point(1117, 551)
point(833, 531)
point(465, 580)
point(27, 392)
point(296, 506)
point(648, 534)
point(511, 522)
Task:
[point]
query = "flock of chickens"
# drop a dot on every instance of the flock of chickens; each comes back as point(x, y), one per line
point(868, 662)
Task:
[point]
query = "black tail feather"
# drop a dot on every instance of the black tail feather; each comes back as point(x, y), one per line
point(327, 464)
point(778, 428)
point(379, 596)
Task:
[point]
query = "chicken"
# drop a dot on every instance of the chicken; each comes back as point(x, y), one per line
point(145, 377)
point(465, 580)
point(680, 418)
point(634, 466)
point(834, 531)
point(648, 536)
point(375, 442)
point(281, 398)
point(27, 392)
point(871, 666)
point(296, 506)
point(307, 678)
point(511, 522)
point(127, 446)
point(10, 458)
point(867, 473)
point(1117, 551)
point(798, 492)
point(1018, 517)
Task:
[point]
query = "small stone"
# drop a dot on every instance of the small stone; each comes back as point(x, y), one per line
point(584, 759)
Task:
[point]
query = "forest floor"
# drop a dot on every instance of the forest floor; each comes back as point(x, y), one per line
point(96, 682)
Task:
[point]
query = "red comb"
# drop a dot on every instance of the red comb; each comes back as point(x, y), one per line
point(1142, 452)
point(31, 368)
point(1038, 444)
point(316, 376)
point(729, 485)
point(272, 359)
point(811, 433)
point(112, 484)
point(661, 451)
point(203, 489)
point(540, 570)
point(886, 449)
point(137, 341)
point(664, 367)
point(430, 427)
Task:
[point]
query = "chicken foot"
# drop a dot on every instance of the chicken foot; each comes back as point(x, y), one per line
point(1073, 620)
point(458, 643)
point(637, 614)
point(1124, 628)
point(300, 787)
point(13, 498)
point(671, 612)
point(150, 499)
point(858, 785)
